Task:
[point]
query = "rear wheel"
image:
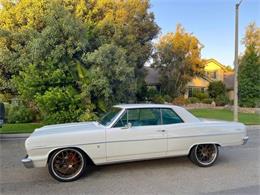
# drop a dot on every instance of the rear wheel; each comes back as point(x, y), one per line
point(67, 164)
point(204, 155)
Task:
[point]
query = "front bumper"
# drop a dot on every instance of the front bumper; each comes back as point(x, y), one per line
point(27, 162)
point(245, 139)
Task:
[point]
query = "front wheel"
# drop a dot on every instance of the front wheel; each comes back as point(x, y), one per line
point(204, 155)
point(67, 164)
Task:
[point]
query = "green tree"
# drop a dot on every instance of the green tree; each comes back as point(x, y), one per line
point(178, 59)
point(49, 65)
point(109, 61)
point(249, 69)
point(127, 24)
point(216, 88)
point(16, 21)
point(252, 37)
point(109, 80)
point(88, 51)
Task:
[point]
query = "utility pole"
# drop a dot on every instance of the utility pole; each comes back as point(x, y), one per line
point(236, 65)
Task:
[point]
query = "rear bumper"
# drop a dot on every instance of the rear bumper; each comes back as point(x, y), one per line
point(27, 162)
point(245, 139)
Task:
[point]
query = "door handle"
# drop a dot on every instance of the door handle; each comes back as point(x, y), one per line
point(161, 131)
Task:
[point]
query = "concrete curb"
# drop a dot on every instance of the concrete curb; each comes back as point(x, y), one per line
point(250, 127)
point(14, 136)
point(25, 135)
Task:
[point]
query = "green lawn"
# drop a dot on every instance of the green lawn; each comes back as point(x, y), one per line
point(19, 128)
point(249, 119)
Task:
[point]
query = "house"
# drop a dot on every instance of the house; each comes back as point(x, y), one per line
point(214, 71)
point(152, 77)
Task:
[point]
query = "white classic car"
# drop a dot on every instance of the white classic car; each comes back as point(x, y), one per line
point(129, 132)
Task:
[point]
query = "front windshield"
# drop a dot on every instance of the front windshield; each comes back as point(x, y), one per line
point(109, 117)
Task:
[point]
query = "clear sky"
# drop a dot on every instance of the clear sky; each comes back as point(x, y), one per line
point(211, 21)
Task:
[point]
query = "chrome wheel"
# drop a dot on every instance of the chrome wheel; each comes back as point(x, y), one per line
point(67, 164)
point(206, 154)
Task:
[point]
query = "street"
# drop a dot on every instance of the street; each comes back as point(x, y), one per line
point(237, 171)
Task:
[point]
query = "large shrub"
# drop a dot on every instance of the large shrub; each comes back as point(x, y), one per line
point(180, 101)
point(60, 105)
point(221, 100)
point(158, 99)
point(167, 98)
point(201, 96)
point(207, 101)
point(151, 92)
point(19, 114)
point(216, 88)
point(193, 100)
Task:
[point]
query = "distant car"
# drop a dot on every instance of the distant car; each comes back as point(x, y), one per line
point(2, 114)
point(127, 133)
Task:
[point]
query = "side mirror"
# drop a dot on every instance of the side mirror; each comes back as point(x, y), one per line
point(127, 126)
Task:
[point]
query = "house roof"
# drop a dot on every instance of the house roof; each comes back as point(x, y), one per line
point(229, 80)
point(152, 76)
point(217, 63)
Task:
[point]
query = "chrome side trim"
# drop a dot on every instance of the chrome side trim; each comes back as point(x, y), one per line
point(27, 162)
point(176, 137)
point(245, 139)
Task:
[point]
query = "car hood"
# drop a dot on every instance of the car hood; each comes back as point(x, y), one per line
point(67, 128)
point(65, 134)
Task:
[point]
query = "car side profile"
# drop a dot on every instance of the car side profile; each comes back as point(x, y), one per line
point(129, 132)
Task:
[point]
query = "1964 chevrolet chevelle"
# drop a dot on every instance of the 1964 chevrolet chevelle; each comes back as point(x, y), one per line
point(129, 132)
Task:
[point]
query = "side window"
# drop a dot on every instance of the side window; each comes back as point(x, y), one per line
point(133, 117)
point(170, 117)
point(150, 116)
point(122, 121)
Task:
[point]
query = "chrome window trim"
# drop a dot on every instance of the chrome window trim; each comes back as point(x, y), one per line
point(125, 110)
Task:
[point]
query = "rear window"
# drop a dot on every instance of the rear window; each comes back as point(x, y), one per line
point(170, 117)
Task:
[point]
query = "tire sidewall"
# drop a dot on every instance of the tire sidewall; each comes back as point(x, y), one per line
point(55, 176)
point(195, 160)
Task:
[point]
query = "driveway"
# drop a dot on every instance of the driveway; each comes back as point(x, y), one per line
point(237, 171)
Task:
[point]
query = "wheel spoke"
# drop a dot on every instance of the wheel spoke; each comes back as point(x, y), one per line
point(206, 153)
point(67, 163)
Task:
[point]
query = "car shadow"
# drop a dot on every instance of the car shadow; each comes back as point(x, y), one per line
point(138, 165)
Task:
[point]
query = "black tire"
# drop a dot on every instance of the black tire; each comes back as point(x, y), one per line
point(204, 155)
point(61, 163)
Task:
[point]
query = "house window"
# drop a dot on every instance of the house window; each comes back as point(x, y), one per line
point(195, 90)
point(212, 75)
point(190, 92)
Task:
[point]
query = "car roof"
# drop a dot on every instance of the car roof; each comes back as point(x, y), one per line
point(126, 106)
point(185, 115)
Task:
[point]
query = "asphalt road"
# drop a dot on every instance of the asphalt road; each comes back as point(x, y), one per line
point(237, 171)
